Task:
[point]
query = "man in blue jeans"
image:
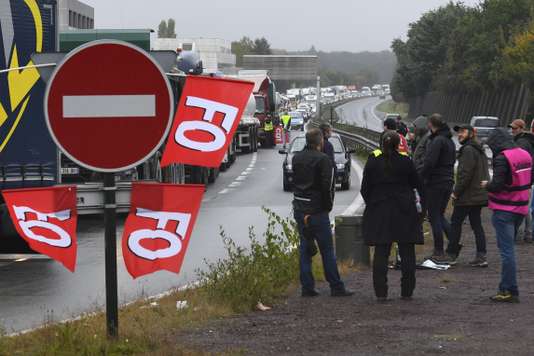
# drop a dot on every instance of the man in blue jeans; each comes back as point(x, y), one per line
point(509, 192)
point(313, 200)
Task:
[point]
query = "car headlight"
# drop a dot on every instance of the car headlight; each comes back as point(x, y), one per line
point(340, 166)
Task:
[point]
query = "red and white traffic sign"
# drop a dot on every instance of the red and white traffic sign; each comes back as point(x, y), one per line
point(108, 106)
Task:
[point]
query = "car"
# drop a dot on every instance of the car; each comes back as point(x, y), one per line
point(342, 157)
point(297, 120)
point(391, 116)
point(484, 125)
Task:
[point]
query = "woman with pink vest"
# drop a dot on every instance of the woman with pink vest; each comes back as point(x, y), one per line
point(509, 192)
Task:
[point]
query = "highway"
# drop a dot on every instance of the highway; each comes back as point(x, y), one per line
point(362, 113)
point(38, 290)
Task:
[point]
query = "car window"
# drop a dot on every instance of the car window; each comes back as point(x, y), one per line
point(298, 144)
point(486, 123)
point(338, 146)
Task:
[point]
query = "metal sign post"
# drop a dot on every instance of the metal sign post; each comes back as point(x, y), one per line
point(110, 221)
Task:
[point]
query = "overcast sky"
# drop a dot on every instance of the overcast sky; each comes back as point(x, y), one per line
point(331, 25)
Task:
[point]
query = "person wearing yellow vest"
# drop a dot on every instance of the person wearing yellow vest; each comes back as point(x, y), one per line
point(286, 122)
point(268, 128)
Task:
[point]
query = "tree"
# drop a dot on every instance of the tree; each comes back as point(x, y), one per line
point(244, 46)
point(166, 29)
point(518, 57)
point(162, 29)
point(261, 46)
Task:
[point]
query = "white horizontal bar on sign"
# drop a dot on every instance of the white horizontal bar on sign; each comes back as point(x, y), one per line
point(103, 106)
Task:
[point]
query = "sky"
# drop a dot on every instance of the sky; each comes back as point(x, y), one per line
point(331, 25)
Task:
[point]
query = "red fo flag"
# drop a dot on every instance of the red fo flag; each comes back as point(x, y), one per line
point(158, 228)
point(206, 119)
point(46, 218)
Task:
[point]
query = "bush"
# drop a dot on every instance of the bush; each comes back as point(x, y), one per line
point(262, 272)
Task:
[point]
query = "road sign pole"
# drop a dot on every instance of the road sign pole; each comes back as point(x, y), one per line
point(110, 220)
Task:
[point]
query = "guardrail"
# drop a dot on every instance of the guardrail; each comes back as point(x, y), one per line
point(365, 140)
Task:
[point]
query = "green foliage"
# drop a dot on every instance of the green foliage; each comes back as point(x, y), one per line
point(248, 46)
point(260, 273)
point(166, 29)
point(457, 48)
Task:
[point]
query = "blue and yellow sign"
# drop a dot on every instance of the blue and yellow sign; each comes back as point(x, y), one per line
point(26, 27)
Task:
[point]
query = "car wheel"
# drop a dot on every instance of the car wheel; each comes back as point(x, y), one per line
point(287, 187)
point(346, 184)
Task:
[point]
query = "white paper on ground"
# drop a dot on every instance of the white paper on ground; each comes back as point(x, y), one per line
point(432, 265)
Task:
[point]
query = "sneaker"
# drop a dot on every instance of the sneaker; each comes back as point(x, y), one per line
point(341, 293)
point(479, 261)
point(310, 293)
point(439, 258)
point(452, 260)
point(505, 297)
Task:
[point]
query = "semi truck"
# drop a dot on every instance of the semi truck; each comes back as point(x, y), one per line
point(266, 103)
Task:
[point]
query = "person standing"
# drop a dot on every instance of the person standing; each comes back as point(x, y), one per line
point(390, 215)
point(524, 140)
point(402, 129)
point(509, 192)
point(438, 175)
point(312, 202)
point(391, 125)
point(286, 122)
point(468, 196)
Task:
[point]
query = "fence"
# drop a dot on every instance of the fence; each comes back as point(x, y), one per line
point(507, 104)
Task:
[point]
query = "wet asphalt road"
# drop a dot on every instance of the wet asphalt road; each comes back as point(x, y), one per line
point(362, 113)
point(34, 291)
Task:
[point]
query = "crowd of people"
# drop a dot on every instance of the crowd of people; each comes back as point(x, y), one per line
point(405, 182)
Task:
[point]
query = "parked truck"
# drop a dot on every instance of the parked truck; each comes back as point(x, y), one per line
point(266, 103)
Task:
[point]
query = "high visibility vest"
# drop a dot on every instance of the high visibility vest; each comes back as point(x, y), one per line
point(378, 153)
point(403, 146)
point(268, 126)
point(286, 119)
point(515, 197)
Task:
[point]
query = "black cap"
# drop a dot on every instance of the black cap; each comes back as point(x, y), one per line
point(390, 124)
point(464, 127)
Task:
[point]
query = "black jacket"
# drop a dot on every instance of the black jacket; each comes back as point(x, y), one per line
point(390, 211)
point(419, 152)
point(525, 140)
point(472, 169)
point(438, 169)
point(313, 175)
point(498, 141)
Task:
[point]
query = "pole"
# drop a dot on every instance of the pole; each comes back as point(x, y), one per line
point(331, 115)
point(318, 104)
point(110, 220)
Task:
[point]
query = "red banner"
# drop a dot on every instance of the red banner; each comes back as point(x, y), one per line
point(206, 119)
point(158, 228)
point(46, 218)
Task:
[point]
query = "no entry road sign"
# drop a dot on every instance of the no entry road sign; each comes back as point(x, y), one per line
point(108, 106)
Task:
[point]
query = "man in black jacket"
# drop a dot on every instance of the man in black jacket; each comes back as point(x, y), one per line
point(312, 180)
point(438, 176)
point(468, 196)
point(524, 140)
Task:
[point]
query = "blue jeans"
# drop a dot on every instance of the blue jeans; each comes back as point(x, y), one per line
point(322, 231)
point(506, 225)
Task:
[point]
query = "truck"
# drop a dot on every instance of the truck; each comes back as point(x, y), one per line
point(266, 103)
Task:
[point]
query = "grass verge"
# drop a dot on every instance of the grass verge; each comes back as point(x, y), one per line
point(390, 106)
point(264, 272)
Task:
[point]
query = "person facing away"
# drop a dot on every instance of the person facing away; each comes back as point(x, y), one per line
point(468, 196)
point(524, 140)
point(391, 125)
point(402, 129)
point(390, 215)
point(312, 202)
point(438, 176)
point(509, 192)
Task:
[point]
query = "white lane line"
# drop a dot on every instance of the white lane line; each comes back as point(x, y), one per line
point(105, 106)
point(249, 169)
point(224, 191)
point(234, 184)
point(241, 178)
point(245, 173)
point(358, 202)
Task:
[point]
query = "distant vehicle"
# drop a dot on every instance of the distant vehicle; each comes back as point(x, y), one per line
point(297, 120)
point(381, 94)
point(484, 125)
point(391, 116)
point(342, 157)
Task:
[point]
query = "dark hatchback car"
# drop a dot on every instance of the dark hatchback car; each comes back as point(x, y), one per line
point(342, 156)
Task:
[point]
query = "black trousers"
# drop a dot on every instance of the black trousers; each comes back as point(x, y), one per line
point(437, 199)
point(457, 219)
point(380, 269)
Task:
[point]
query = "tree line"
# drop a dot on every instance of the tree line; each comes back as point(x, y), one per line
point(467, 49)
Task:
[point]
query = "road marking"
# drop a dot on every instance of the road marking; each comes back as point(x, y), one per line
point(358, 202)
point(105, 106)
point(241, 178)
point(224, 191)
point(234, 185)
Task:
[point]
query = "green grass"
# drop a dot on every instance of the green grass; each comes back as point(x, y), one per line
point(390, 106)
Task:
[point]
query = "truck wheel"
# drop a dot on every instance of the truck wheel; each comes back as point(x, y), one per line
point(254, 140)
point(213, 173)
point(287, 186)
